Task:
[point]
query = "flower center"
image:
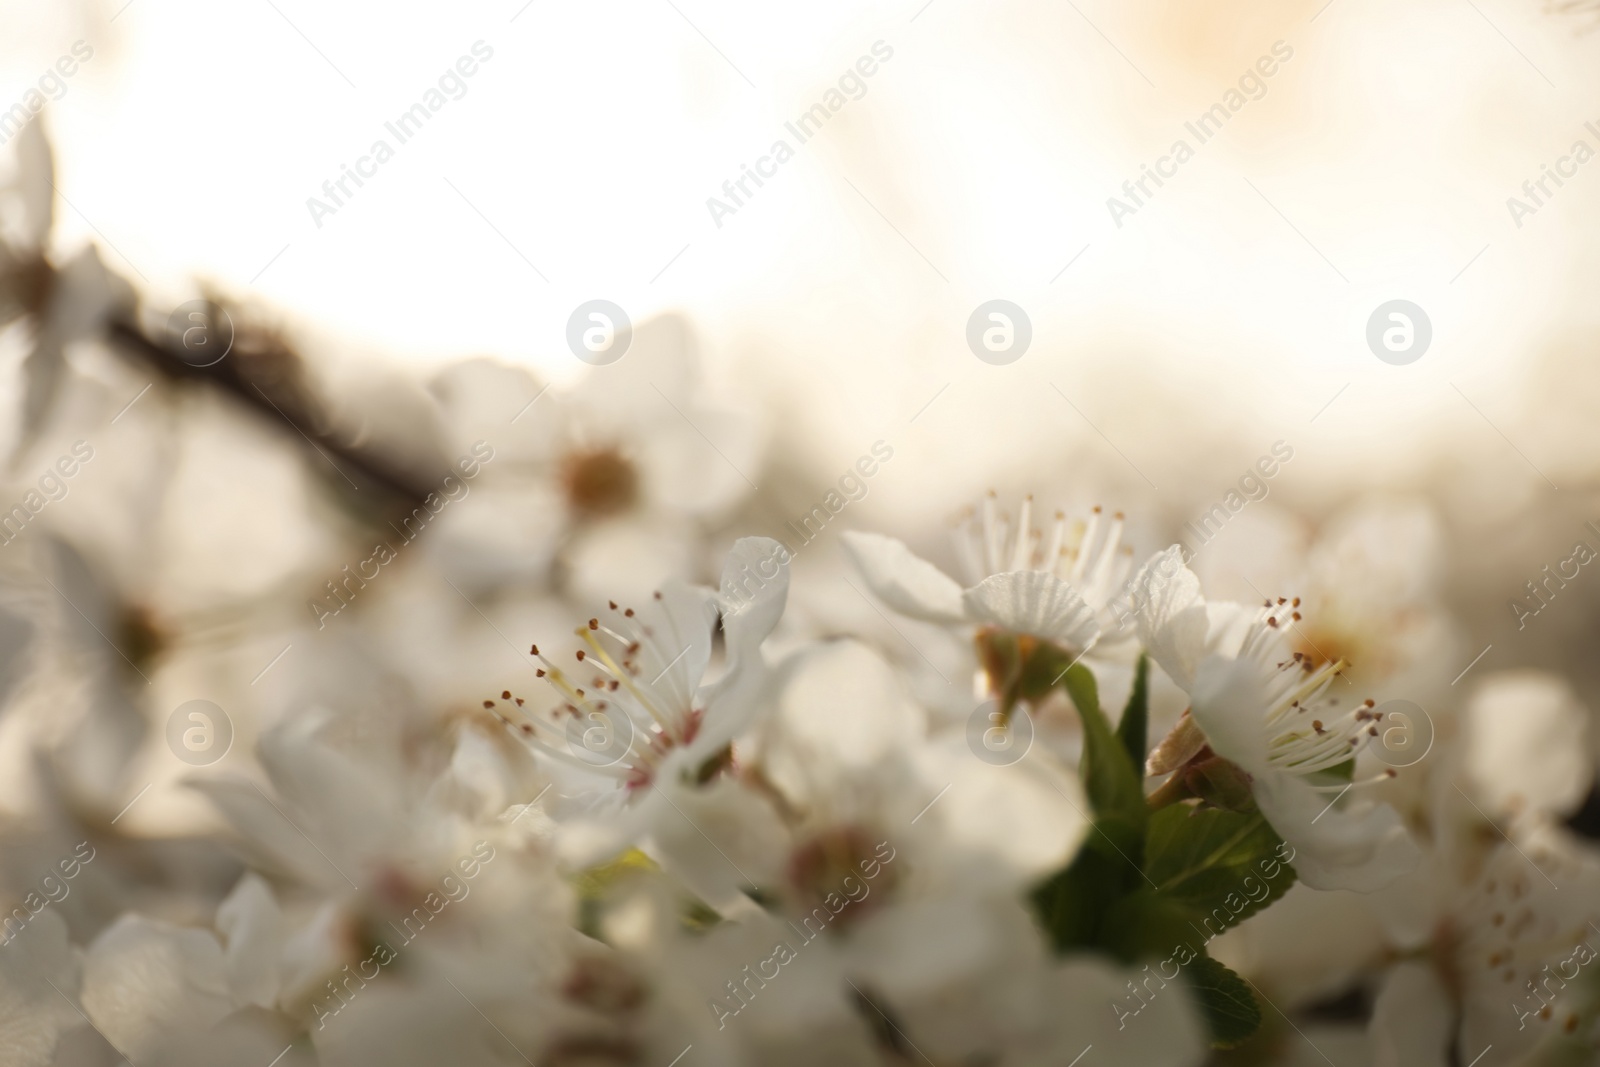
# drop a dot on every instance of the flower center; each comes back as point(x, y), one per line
point(843, 871)
point(632, 713)
point(31, 283)
point(604, 985)
point(1321, 646)
point(599, 482)
point(1019, 667)
point(141, 635)
point(1308, 731)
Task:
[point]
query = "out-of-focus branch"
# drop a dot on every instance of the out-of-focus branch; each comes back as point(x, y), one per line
point(262, 373)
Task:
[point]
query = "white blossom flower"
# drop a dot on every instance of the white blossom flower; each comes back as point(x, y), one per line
point(1056, 588)
point(648, 716)
point(1469, 948)
point(1495, 951)
point(843, 763)
point(47, 307)
point(1023, 586)
point(378, 871)
point(1527, 754)
point(871, 883)
point(611, 482)
point(1270, 711)
point(1370, 582)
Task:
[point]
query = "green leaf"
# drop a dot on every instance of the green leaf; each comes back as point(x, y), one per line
point(1072, 903)
point(1146, 882)
point(1226, 1000)
point(1115, 788)
point(1224, 865)
point(1134, 726)
point(1146, 925)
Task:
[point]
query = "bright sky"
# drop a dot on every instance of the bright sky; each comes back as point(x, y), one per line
point(976, 165)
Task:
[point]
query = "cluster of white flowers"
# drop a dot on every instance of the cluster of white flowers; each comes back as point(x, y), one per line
point(528, 793)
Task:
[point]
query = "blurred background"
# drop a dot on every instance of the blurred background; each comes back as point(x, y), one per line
point(382, 328)
point(1171, 346)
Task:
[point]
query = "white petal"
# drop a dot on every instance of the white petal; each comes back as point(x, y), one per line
point(715, 837)
point(1362, 848)
point(1527, 744)
point(1227, 625)
point(1036, 603)
point(269, 841)
point(1384, 554)
point(660, 370)
point(35, 181)
point(329, 812)
point(1309, 945)
point(312, 953)
point(144, 981)
point(1412, 1021)
point(1172, 615)
point(585, 841)
point(347, 806)
point(423, 1022)
point(681, 472)
point(687, 617)
point(33, 1015)
point(625, 558)
point(494, 537)
point(903, 580)
point(478, 397)
point(1163, 1031)
point(252, 924)
point(1229, 699)
point(841, 706)
point(924, 946)
point(245, 1037)
point(1040, 803)
point(1410, 909)
point(755, 587)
